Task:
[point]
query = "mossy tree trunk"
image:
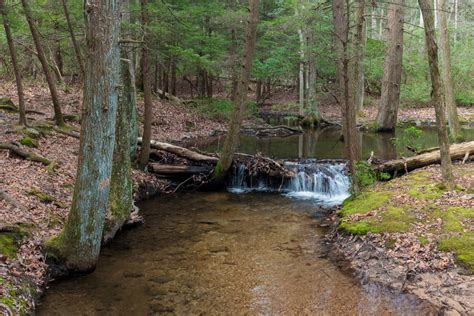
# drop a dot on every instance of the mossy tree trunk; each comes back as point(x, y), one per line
point(438, 98)
point(232, 137)
point(392, 75)
point(79, 243)
point(121, 186)
point(58, 116)
point(16, 68)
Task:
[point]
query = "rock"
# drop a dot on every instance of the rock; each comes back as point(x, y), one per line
point(217, 249)
point(161, 279)
point(132, 274)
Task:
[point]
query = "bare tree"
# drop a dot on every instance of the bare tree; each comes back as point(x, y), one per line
point(147, 93)
point(392, 75)
point(58, 116)
point(16, 68)
point(232, 138)
point(438, 98)
point(75, 45)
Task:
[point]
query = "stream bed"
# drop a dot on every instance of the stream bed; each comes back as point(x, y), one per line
point(243, 252)
point(222, 254)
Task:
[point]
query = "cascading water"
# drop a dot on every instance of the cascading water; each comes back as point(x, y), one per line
point(324, 182)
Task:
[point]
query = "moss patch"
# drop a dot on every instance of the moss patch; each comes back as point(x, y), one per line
point(462, 245)
point(391, 220)
point(365, 202)
point(42, 196)
point(29, 142)
point(10, 241)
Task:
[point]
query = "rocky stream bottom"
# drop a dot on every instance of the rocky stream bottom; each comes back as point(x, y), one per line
point(223, 253)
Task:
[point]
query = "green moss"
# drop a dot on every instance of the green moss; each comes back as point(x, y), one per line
point(423, 240)
point(15, 299)
point(365, 202)
point(29, 142)
point(11, 239)
point(462, 246)
point(8, 245)
point(356, 228)
point(426, 191)
point(42, 196)
point(394, 219)
point(53, 248)
point(453, 218)
point(391, 220)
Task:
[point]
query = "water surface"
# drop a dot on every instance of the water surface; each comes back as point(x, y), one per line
point(222, 254)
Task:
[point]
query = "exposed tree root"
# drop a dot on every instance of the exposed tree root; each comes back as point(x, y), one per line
point(25, 154)
point(12, 201)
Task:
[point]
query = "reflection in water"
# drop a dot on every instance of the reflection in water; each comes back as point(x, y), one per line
point(221, 254)
point(326, 144)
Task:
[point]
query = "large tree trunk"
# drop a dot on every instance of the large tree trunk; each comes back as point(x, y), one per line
point(392, 76)
point(432, 49)
point(58, 116)
point(301, 72)
point(147, 96)
point(312, 102)
point(447, 75)
point(79, 243)
point(340, 20)
point(16, 68)
point(232, 137)
point(357, 52)
point(75, 45)
point(121, 183)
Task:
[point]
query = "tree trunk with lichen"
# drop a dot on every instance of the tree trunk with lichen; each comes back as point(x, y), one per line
point(121, 185)
point(232, 138)
point(438, 98)
point(78, 245)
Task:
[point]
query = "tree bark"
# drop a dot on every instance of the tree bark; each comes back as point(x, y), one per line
point(121, 183)
point(232, 137)
point(16, 67)
point(180, 151)
point(357, 52)
point(75, 45)
point(80, 241)
point(392, 76)
point(340, 20)
point(440, 109)
point(451, 108)
point(147, 96)
point(58, 116)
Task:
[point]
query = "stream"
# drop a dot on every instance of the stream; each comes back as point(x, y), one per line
point(247, 251)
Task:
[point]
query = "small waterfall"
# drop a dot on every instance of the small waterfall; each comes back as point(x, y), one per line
point(324, 182)
point(320, 181)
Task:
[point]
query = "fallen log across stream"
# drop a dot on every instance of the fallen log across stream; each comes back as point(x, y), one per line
point(457, 152)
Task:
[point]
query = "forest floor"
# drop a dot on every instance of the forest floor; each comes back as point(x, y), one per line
point(422, 113)
point(413, 236)
point(39, 196)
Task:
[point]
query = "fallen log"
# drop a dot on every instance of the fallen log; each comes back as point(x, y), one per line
point(180, 151)
point(178, 169)
point(457, 151)
point(25, 154)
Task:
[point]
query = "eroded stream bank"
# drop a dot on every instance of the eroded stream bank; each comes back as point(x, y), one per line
point(222, 253)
